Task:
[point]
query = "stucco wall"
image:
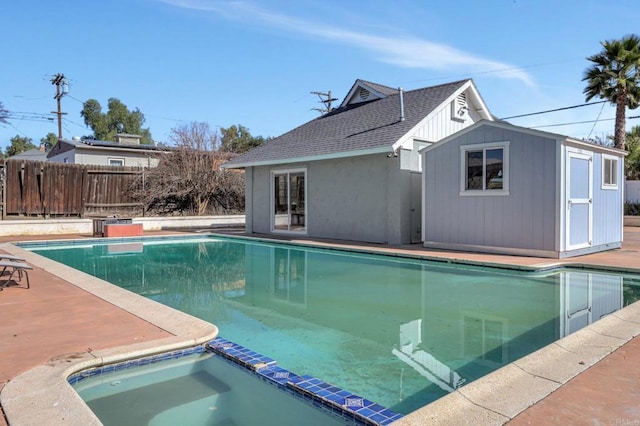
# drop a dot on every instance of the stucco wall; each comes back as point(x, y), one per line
point(100, 157)
point(524, 219)
point(362, 198)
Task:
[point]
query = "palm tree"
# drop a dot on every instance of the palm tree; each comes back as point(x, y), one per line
point(615, 76)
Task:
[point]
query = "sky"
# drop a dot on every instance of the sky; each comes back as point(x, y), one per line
point(255, 63)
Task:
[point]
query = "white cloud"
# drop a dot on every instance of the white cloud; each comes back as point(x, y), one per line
point(406, 52)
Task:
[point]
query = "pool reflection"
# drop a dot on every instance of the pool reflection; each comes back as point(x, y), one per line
point(397, 331)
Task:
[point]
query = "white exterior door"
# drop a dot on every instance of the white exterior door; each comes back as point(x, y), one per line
point(579, 195)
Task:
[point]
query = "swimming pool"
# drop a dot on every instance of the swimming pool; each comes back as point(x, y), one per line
point(198, 387)
point(400, 332)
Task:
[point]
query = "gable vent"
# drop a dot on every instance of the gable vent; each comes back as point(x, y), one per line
point(459, 107)
point(363, 93)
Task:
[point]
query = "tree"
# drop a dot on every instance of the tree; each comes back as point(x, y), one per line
point(237, 139)
point(4, 114)
point(19, 144)
point(49, 141)
point(190, 178)
point(632, 162)
point(117, 119)
point(615, 76)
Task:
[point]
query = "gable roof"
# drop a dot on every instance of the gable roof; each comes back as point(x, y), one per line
point(32, 154)
point(581, 143)
point(64, 145)
point(352, 129)
point(377, 91)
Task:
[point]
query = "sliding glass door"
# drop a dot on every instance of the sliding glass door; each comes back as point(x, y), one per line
point(289, 207)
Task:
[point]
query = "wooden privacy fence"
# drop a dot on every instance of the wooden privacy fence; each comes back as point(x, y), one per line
point(43, 189)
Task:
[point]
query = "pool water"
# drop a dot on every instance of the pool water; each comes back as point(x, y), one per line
point(400, 332)
point(198, 389)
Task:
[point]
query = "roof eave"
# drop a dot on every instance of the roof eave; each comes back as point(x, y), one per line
point(345, 154)
point(508, 126)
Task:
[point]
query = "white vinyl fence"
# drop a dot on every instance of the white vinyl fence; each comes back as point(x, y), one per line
point(632, 191)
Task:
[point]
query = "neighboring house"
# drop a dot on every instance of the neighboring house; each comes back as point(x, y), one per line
point(31, 155)
point(495, 187)
point(125, 151)
point(354, 173)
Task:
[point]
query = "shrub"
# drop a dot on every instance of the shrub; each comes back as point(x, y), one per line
point(632, 209)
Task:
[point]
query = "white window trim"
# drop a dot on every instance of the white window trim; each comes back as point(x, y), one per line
point(605, 185)
point(109, 159)
point(272, 201)
point(505, 169)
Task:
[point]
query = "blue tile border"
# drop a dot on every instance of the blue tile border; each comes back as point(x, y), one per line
point(338, 402)
point(138, 362)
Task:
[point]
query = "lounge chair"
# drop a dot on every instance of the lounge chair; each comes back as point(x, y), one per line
point(5, 256)
point(12, 268)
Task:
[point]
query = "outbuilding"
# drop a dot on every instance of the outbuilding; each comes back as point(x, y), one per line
point(354, 173)
point(498, 188)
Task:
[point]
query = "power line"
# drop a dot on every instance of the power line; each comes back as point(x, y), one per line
point(582, 122)
point(596, 122)
point(554, 110)
point(73, 122)
point(75, 99)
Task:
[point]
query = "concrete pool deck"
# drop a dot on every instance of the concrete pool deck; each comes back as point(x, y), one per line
point(68, 320)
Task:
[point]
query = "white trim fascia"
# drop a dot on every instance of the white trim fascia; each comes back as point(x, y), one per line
point(596, 148)
point(357, 84)
point(478, 99)
point(541, 133)
point(503, 125)
point(113, 149)
point(409, 135)
point(561, 185)
point(345, 154)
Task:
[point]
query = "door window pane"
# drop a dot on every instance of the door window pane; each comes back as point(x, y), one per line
point(474, 170)
point(494, 168)
point(281, 202)
point(289, 201)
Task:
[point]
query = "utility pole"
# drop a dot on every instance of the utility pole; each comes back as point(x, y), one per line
point(62, 88)
point(325, 99)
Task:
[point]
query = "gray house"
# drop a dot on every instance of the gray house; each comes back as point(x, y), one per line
point(126, 150)
point(355, 172)
point(495, 187)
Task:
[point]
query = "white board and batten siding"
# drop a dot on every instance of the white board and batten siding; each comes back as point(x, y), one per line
point(528, 218)
point(440, 124)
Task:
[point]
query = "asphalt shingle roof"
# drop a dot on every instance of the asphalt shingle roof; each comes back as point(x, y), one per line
point(116, 145)
point(356, 127)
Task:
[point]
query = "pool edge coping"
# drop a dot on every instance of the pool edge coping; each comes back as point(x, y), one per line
point(502, 388)
point(42, 395)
